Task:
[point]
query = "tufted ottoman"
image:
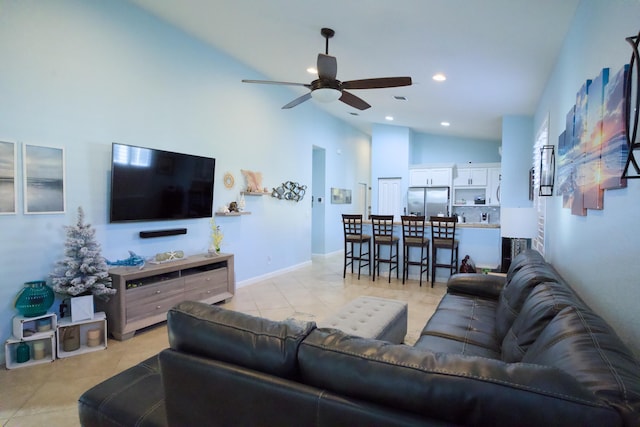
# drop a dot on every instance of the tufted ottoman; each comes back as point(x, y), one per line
point(371, 317)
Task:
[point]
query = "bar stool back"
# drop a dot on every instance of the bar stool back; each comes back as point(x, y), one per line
point(383, 236)
point(353, 236)
point(413, 237)
point(443, 236)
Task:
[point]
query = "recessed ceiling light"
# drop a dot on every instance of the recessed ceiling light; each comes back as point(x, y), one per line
point(389, 118)
point(445, 124)
point(312, 70)
point(439, 77)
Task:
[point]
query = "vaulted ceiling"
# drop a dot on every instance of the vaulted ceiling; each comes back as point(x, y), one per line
point(496, 54)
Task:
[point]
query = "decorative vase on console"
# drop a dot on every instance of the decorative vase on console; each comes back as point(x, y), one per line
point(216, 239)
point(34, 299)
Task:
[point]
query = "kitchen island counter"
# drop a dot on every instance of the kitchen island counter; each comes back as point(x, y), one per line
point(480, 241)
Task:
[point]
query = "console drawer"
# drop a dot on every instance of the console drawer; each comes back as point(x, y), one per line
point(207, 280)
point(202, 286)
point(153, 299)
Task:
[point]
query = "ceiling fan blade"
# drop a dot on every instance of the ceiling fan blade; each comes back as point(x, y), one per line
point(297, 101)
point(327, 66)
point(379, 83)
point(269, 82)
point(354, 101)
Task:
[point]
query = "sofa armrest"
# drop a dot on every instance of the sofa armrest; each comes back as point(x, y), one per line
point(481, 285)
point(134, 397)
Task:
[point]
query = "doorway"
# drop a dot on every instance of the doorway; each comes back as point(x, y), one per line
point(364, 197)
point(318, 173)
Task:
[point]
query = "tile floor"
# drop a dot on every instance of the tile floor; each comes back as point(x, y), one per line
point(46, 395)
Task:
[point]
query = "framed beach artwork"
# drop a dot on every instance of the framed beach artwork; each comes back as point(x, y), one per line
point(593, 147)
point(7, 178)
point(44, 186)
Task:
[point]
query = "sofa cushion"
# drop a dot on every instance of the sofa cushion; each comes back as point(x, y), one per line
point(544, 302)
point(465, 319)
point(523, 259)
point(516, 291)
point(448, 345)
point(580, 343)
point(235, 337)
point(449, 387)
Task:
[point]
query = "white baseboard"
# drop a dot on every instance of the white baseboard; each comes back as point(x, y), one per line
point(327, 255)
point(269, 275)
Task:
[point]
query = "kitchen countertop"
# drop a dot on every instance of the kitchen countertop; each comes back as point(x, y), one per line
point(476, 225)
point(458, 225)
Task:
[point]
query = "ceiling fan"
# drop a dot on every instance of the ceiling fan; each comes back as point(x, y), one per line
point(326, 88)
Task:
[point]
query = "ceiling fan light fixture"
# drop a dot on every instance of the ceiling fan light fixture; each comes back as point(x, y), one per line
point(326, 95)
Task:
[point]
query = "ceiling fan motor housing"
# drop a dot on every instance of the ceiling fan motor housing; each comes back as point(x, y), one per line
point(325, 84)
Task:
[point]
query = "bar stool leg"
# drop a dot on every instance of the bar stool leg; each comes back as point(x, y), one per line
point(397, 263)
point(434, 259)
point(359, 259)
point(346, 257)
point(421, 261)
point(405, 263)
point(391, 260)
point(375, 261)
point(369, 255)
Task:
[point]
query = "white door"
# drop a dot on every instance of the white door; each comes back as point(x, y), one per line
point(390, 197)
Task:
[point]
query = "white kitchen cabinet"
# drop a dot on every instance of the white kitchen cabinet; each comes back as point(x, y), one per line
point(470, 177)
point(430, 177)
point(493, 186)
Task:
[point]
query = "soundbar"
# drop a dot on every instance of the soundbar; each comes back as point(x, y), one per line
point(162, 233)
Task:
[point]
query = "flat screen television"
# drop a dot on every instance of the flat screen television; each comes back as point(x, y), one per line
point(157, 185)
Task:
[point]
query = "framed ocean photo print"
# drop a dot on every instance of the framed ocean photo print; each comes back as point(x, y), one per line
point(8, 187)
point(44, 186)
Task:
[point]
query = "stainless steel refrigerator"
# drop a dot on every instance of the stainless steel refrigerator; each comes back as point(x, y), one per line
point(428, 201)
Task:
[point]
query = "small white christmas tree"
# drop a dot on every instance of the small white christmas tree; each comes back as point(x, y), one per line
point(83, 270)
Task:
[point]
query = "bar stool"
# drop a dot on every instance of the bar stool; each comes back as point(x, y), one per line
point(352, 225)
point(383, 236)
point(443, 236)
point(413, 237)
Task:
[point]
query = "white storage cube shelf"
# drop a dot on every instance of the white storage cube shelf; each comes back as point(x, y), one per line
point(11, 346)
point(99, 321)
point(27, 327)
